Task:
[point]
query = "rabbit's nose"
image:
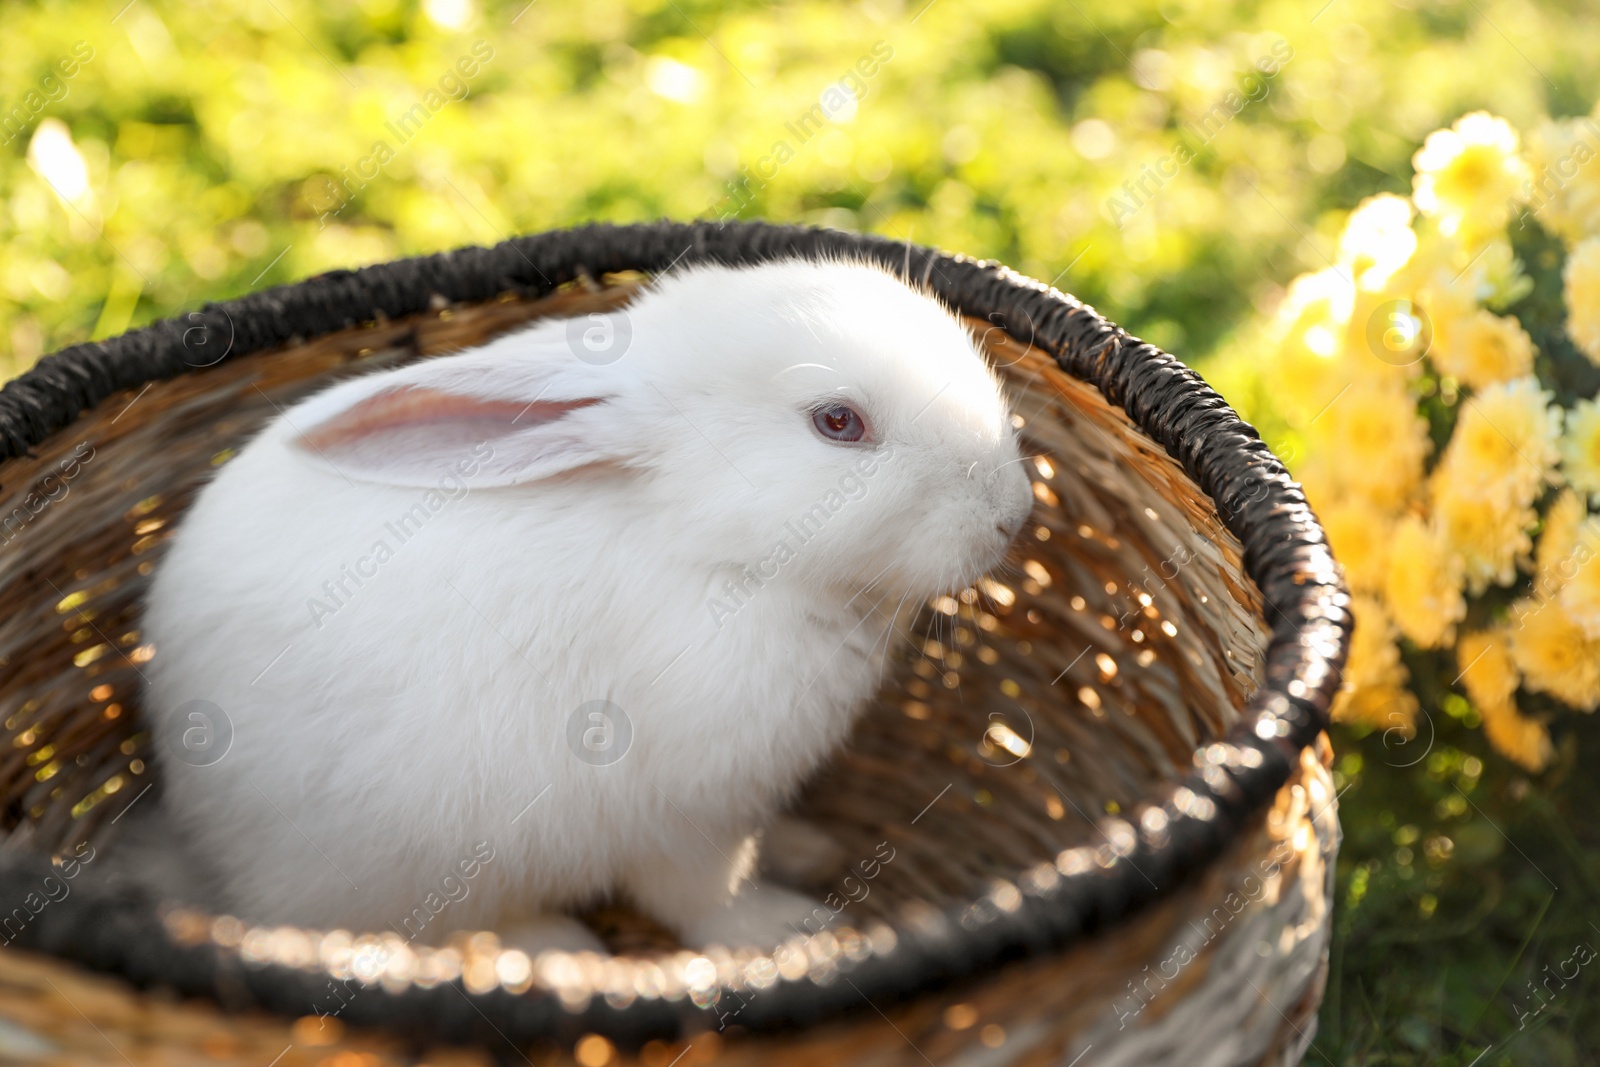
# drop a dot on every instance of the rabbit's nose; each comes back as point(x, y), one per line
point(1014, 504)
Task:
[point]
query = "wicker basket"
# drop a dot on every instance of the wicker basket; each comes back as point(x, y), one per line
point(1087, 819)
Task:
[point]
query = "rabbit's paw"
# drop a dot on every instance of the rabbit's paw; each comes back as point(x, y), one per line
point(797, 852)
point(551, 932)
point(760, 916)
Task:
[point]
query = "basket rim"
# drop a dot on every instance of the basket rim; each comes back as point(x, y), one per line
point(1173, 836)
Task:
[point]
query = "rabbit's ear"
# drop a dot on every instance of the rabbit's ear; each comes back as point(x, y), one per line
point(492, 421)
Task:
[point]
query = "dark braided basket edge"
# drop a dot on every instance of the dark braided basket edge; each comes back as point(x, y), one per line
point(1285, 554)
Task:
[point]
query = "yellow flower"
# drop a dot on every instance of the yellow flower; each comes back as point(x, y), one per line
point(1374, 691)
point(1450, 279)
point(1484, 659)
point(1565, 191)
point(1374, 656)
point(1580, 448)
point(1320, 298)
point(1554, 654)
point(1483, 349)
point(1497, 274)
point(1469, 176)
point(1504, 447)
point(1487, 535)
point(1384, 707)
point(1517, 737)
point(1377, 240)
point(1317, 481)
point(1384, 341)
point(1580, 593)
point(1556, 558)
point(1373, 442)
point(1446, 277)
point(1498, 461)
point(1306, 381)
point(1306, 337)
point(1359, 534)
point(1582, 296)
point(1423, 585)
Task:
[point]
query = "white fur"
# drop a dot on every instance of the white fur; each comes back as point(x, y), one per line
point(377, 746)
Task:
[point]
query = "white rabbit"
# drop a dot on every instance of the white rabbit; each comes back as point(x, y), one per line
point(502, 633)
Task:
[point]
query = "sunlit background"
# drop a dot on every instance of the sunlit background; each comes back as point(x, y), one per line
point(196, 155)
point(1178, 164)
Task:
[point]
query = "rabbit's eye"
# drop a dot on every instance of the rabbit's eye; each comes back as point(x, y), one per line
point(840, 422)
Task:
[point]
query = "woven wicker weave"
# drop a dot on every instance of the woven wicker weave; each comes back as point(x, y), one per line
point(1099, 774)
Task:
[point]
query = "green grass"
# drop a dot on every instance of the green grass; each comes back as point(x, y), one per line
point(1434, 946)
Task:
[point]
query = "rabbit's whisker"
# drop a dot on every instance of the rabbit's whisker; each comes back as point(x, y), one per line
point(823, 669)
point(801, 366)
point(871, 583)
point(1009, 462)
point(888, 635)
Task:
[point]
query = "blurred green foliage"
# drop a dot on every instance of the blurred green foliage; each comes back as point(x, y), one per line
point(212, 134)
point(1466, 892)
point(1138, 152)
